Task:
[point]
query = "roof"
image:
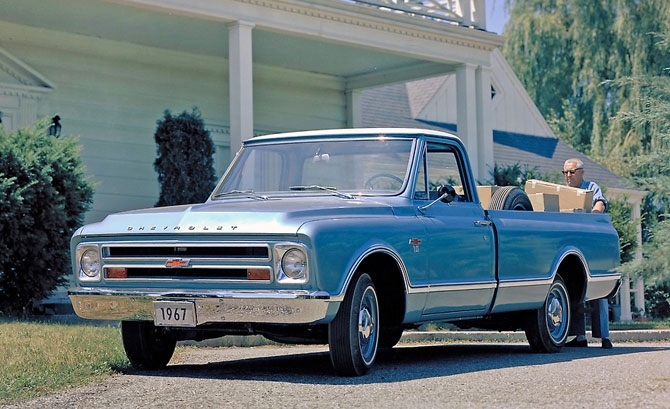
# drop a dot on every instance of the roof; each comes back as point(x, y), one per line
point(390, 106)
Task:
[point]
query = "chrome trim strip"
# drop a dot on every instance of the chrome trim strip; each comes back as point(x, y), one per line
point(526, 282)
point(453, 287)
point(289, 307)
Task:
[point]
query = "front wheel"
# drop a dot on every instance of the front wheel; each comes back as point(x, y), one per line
point(147, 346)
point(353, 336)
point(547, 328)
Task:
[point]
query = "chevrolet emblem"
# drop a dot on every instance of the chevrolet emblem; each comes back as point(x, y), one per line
point(177, 262)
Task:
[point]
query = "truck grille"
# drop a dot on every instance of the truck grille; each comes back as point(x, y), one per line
point(257, 252)
point(149, 261)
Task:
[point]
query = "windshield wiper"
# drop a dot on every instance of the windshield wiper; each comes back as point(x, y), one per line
point(246, 193)
point(331, 190)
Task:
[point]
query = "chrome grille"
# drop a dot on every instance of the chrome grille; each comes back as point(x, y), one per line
point(190, 260)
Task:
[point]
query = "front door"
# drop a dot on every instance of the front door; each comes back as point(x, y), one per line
point(459, 244)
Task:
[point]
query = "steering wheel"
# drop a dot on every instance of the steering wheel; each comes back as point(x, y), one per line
point(370, 183)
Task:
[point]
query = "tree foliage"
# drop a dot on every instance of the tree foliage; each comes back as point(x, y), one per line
point(566, 52)
point(44, 195)
point(185, 161)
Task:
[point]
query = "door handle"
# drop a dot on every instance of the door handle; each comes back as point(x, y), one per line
point(483, 222)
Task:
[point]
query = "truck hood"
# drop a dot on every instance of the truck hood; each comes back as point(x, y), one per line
point(273, 216)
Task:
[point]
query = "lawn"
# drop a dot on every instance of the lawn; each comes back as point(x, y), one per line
point(42, 357)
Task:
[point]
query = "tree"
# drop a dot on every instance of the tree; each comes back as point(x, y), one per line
point(566, 52)
point(185, 162)
point(44, 195)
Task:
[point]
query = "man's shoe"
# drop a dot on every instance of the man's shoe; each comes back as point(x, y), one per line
point(607, 344)
point(580, 343)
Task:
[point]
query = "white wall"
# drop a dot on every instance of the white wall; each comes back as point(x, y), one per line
point(111, 94)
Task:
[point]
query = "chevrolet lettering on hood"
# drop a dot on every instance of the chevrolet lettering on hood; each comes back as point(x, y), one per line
point(343, 237)
point(178, 228)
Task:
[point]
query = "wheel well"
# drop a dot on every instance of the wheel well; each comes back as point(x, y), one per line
point(387, 277)
point(574, 275)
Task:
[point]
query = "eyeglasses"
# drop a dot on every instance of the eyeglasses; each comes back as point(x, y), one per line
point(571, 171)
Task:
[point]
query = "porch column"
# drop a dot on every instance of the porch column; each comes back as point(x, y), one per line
point(466, 113)
point(240, 76)
point(353, 101)
point(639, 296)
point(624, 300)
point(485, 159)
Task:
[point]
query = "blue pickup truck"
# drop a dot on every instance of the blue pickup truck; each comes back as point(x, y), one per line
point(341, 237)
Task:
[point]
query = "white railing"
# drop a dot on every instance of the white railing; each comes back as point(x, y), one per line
point(467, 13)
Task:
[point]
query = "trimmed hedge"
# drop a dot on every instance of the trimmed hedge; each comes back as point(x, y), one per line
point(44, 195)
point(185, 161)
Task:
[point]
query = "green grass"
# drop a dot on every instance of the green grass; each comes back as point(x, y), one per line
point(638, 325)
point(41, 357)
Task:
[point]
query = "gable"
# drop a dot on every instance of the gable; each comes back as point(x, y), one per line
point(16, 74)
point(20, 89)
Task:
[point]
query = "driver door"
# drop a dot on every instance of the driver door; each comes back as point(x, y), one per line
point(459, 243)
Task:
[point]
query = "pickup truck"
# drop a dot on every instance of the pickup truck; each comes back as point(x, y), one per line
point(341, 237)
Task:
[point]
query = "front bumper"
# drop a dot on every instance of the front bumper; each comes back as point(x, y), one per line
point(277, 307)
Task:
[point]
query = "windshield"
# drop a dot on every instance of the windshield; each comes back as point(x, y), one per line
point(361, 166)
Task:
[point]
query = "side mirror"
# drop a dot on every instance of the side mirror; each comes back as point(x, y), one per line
point(447, 193)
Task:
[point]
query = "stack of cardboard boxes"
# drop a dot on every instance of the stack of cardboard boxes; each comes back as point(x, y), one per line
point(551, 197)
point(545, 197)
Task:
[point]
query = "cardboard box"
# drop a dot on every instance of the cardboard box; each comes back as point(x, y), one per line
point(544, 202)
point(484, 192)
point(570, 199)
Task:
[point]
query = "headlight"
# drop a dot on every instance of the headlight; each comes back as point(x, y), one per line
point(292, 265)
point(89, 263)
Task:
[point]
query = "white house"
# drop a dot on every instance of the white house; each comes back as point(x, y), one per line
point(109, 69)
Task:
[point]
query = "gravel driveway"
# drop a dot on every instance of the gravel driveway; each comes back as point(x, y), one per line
point(458, 375)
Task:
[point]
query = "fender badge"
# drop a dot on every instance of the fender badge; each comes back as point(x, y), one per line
point(414, 242)
point(177, 263)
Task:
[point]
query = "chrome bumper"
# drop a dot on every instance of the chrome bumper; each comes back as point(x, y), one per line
point(279, 307)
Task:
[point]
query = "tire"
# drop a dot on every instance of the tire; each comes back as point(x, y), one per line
point(548, 327)
point(147, 346)
point(353, 336)
point(510, 198)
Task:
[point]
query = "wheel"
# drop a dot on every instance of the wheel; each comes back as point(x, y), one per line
point(353, 335)
point(510, 198)
point(147, 346)
point(548, 327)
point(371, 183)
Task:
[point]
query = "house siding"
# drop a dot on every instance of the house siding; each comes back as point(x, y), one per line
point(110, 95)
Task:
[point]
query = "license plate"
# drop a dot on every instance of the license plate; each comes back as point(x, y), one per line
point(174, 313)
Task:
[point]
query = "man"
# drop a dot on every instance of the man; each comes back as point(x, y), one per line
point(573, 170)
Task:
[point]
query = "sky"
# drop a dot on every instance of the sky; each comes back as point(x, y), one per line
point(496, 15)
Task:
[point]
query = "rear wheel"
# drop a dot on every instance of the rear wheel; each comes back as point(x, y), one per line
point(353, 336)
point(547, 328)
point(147, 346)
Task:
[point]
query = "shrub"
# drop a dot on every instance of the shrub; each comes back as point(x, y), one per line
point(657, 301)
point(185, 162)
point(514, 175)
point(43, 197)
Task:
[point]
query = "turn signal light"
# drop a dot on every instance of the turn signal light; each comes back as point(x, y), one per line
point(116, 272)
point(258, 274)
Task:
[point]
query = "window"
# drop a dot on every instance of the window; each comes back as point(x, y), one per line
point(439, 167)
